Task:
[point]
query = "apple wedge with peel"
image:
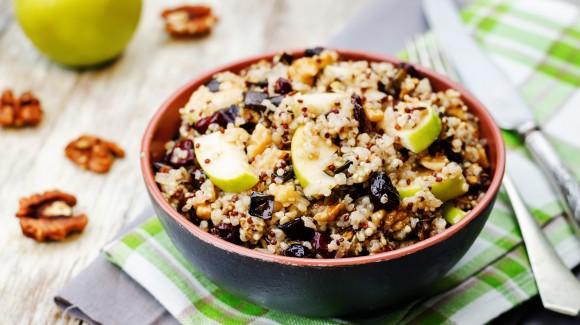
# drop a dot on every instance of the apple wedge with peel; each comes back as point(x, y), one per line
point(420, 136)
point(225, 162)
point(452, 214)
point(316, 104)
point(309, 168)
point(445, 190)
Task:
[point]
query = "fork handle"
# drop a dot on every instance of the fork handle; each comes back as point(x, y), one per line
point(558, 288)
point(561, 178)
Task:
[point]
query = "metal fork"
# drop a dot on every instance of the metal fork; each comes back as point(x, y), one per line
point(558, 287)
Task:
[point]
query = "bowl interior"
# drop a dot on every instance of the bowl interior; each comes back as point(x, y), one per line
point(164, 125)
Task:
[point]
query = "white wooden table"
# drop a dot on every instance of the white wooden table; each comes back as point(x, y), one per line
point(116, 103)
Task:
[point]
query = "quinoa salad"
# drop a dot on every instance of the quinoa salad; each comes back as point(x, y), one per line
point(318, 157)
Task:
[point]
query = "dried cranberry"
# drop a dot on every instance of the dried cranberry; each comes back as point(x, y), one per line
point(380, 186)
point(176, 160)
point(314, 51)
point(276, 100)
point(410, 69)
point(282, 86)
point(221, 117)
point(213, 85)
point(286, 58)
point(320, 243)
point(359, 113)
point(296, 229)
point(254, 99)
point(261, 205)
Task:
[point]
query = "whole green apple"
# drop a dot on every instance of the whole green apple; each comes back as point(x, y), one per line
point(79, 33)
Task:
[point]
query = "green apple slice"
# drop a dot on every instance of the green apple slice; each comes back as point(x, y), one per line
point(316, 104)
point(309, 170)
point(420, 136)
point(452, 214)
point(225, 162)
point(445, 190)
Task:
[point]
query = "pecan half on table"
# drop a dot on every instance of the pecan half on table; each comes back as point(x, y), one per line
point(189, 21)
point(49, 216)
point(92, 153)
point(19, 112)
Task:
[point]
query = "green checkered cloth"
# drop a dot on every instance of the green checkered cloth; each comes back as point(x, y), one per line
point(535, 42)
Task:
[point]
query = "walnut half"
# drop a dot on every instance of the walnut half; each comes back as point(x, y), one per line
point(49, 216)
point(92, 153)
point(19, 112)
point(189, 21)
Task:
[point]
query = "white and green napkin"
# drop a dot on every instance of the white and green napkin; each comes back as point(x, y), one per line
point(535, 42)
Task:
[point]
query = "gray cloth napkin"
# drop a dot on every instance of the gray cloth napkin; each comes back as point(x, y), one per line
point(103, 294)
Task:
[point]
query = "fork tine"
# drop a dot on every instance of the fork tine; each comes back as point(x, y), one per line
point(411, 51)
point(440, 52)
point(423, 52)
point(434, 54)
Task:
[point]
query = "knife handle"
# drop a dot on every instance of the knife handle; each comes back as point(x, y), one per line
point(560, 177)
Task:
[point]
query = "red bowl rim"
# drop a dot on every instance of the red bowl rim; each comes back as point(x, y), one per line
point(481, 112)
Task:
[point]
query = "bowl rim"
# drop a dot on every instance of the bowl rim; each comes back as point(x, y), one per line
point(484, 116)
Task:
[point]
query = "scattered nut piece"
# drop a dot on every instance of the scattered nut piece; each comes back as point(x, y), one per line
point(189, 21)
point(19, 112)
point(92, 153)
point(49, 216)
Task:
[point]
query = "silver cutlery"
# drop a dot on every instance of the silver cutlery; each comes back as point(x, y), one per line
point(558, 287)
point(501, 98)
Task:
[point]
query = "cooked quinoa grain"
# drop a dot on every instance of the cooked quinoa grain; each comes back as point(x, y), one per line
point(323, 158)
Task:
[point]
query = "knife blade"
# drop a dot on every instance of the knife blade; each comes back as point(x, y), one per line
point(501, 99)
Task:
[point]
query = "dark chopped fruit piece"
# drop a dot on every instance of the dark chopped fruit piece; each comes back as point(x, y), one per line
point(364, 252)
point(263, 83)
point(197, 181)
point(289, 174)
point(282, 86)
point(228, 232)
point(404, 152)
point(343, 168)
point(276, 100)
point(381, 186)
point(286, 58)
point(296, 250)
point(481, 185)
point(314, 51)
point(296, 229)
point(410, 69)
point(261, 205)
point(176, 160)
point(221, 117)
point(444, 146)
point(213, 85)
point(254, 99)
point(359, 113)
point(382, 88)
point(355, 191)
point(320, 243)
point(249, 126)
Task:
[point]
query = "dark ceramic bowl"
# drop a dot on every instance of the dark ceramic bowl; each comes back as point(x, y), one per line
point(319, 287)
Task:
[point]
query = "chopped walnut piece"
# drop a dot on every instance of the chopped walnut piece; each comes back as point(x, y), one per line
point(49, 216)
point(19, 112)
point(92, 153)
point(189, 21)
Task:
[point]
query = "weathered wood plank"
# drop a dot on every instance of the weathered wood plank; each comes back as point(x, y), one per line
point(115, 102)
